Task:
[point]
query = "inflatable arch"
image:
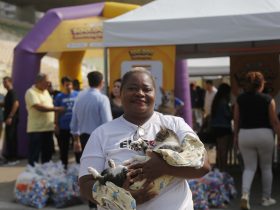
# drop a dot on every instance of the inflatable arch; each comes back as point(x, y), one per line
point(68, 31)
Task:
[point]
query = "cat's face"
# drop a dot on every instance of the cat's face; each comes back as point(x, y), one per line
point(116, 175)
point(164, 134)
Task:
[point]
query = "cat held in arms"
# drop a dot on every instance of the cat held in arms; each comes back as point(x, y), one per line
point(165, 139)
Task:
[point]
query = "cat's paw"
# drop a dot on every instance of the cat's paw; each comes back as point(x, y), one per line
point(111, 163)
point(93, 172)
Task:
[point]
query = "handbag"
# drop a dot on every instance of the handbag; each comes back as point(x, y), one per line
point(206, 134)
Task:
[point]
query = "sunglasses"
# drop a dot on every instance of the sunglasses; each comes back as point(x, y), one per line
point(139, 134)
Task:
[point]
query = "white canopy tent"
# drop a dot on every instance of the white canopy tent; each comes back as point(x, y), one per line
point(199, 28)
point(209, 66)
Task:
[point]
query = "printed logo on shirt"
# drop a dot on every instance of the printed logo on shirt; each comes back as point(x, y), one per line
point(138, 145)
point(125, 144)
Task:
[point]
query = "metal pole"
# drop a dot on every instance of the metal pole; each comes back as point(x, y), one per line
point(106, 74)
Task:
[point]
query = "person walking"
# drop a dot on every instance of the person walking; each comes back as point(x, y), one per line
point(64, 99)
point(40, 120)
point(221, 116)
point(210, 93)
point(91, 109)
point(197, 102)
point(254, 121)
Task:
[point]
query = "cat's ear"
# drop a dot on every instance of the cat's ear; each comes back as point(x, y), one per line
point(111, 163)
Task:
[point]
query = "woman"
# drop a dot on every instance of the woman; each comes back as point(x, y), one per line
point(254, 122)
point(115, 100)
point(221, 116)
point(111, 141)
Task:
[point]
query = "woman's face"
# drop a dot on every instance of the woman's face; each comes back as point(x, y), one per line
point(138, 95)
point(116, 89)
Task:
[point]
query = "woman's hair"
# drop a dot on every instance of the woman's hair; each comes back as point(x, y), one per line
point(117, 80)
point(253, 81)
point(134, 70)
point(223, 93)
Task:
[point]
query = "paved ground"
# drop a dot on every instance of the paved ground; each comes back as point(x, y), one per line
point(8, 176)
point(256, 190)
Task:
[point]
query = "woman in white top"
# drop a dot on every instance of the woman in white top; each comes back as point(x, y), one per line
point(111, 141)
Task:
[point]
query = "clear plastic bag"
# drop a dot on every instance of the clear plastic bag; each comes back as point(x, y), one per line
point(31, 190)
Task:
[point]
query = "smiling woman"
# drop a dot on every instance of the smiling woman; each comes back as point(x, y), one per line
point(138, 95)
point(113, 139)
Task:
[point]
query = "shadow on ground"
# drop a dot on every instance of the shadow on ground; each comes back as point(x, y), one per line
point(256, 194)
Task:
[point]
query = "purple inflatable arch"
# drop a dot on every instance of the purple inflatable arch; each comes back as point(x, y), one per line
point(26, 62)
point(182, 89)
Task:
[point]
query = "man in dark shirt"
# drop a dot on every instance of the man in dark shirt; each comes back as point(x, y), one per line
point(11, 107)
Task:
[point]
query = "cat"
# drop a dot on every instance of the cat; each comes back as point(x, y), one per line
point(165, 139)
point(114, 174)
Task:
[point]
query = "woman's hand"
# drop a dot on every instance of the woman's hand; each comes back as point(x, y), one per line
point(142, 195)
point(149, 170)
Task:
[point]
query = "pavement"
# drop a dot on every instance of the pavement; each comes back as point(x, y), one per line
point(8, 175)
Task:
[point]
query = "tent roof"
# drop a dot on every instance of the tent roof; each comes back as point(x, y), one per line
point(189, 22)
point(208, 66)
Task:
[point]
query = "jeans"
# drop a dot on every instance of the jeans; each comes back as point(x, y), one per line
point(63, 140)
point(84, 139)
point(256, 147)
point(11, 140)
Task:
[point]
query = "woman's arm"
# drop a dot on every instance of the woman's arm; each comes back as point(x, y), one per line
point(92, 157)
point(156, 166)
point(273, 118)
point(86, 183)
point(236, 124)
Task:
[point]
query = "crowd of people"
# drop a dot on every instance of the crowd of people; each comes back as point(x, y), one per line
point(100, 128)
point(247, 125)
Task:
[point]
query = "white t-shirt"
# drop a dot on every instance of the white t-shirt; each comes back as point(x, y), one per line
point(209, 97)
point(111, 141)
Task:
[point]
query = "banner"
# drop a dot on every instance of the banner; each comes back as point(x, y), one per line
point(77, 34)
point(159, 60)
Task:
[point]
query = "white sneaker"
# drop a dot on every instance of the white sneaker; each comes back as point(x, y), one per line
point(244, 203)
point(268, 201)
point(13, 163)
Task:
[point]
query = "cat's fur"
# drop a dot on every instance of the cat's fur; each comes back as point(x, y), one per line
point(165, 139)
